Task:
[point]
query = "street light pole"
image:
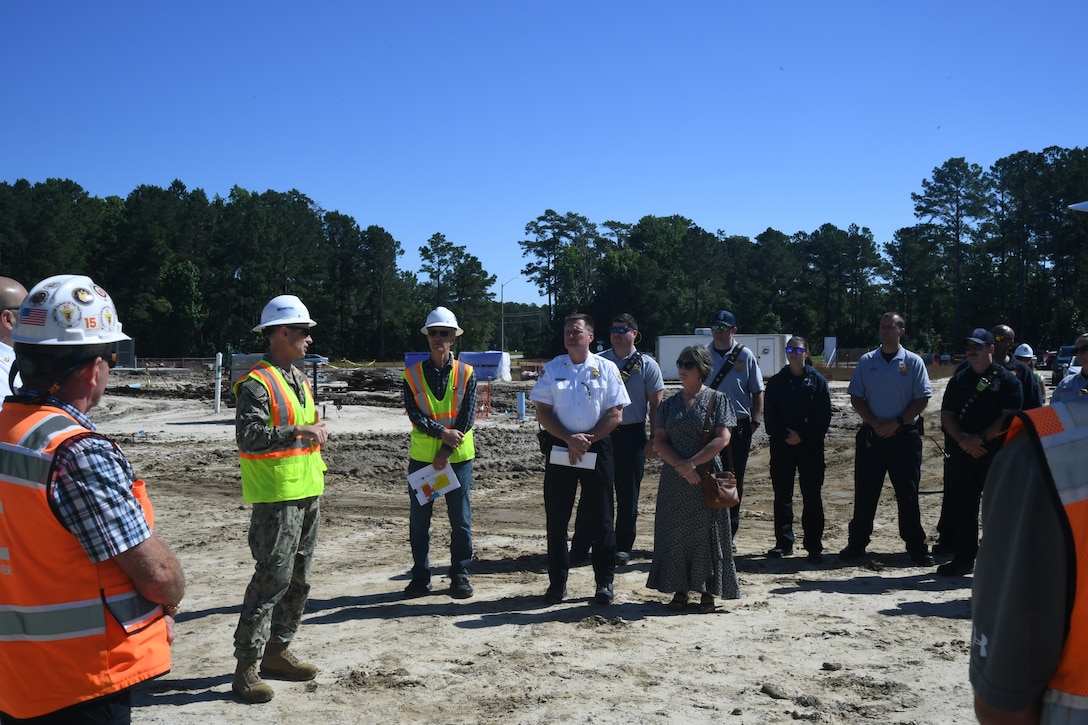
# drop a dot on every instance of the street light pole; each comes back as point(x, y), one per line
point(502, 314)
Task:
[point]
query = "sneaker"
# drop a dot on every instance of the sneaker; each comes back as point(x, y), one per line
point(779, 552)
point(460, 589)
point(555, 594)
point(622, 558)
point(954, 568)
point(604, 594)
point(417, 588)
point(851, 552)
point(815, 557)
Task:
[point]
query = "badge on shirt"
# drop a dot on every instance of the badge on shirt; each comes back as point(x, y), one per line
point(738, 366)
point(903, 370)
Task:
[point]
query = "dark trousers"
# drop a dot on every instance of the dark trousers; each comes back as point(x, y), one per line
point(740, 443)
point(112, 709)
point(459, 512)
point(806, 461)
point(560, 487)
point(964, 477)
point(629, 459)
point(900, 458)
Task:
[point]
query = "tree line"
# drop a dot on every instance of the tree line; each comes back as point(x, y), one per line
point(190, 274)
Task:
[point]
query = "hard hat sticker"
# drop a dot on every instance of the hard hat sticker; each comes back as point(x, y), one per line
point(82, 296)
point(67, 315)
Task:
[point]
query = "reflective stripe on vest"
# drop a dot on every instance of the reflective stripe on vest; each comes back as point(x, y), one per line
point(292, 471)
point(425, 447)
point(59, 646)
point(1062, 432)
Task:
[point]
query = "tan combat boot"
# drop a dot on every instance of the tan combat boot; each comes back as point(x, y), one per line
point(280, 664)
point(248, 685)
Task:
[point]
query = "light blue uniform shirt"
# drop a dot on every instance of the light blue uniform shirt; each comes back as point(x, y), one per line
point(739, 383)
point(889, 387)
point(644, 380)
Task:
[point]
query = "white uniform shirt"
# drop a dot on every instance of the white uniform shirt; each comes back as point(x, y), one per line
point(580, 393)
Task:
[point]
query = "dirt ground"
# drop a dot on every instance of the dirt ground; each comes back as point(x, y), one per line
point(882, 642)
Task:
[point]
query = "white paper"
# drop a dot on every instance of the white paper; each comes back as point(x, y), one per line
point(428, 484)
point(561, 457)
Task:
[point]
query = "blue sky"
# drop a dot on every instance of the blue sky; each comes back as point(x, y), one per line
point(473, 118)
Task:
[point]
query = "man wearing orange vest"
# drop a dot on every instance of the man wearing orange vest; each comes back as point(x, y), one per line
point(283, 476)
point(1029, 644)
point(88, 592)
point(440, 399)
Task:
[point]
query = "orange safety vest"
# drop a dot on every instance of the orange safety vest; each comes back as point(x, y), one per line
point(423, 447)
point(291, 472)
point(1061, 431)
point(71, 630)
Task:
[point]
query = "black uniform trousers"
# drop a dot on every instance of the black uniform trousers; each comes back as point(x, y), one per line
point(740, 442)
point(629, 460)
point(806, 461)
point(964, 477)
point(900, 457)
point(560, 488)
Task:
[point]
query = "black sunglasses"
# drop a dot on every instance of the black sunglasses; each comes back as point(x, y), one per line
point(440, 332)
point(297, 328)
point(686, 364)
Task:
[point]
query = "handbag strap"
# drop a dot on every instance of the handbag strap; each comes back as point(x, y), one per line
point(704, 469)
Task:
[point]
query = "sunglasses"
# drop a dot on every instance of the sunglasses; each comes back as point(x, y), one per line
point(110, 360)
point(297, 328)
point(720, 327)
point(621, 330)
point(440, 332)
point(1079, 350)
point(686, 364)
point(795, 350)
point(973, 348)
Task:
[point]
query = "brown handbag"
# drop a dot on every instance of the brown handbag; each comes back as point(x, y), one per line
point(719, 488)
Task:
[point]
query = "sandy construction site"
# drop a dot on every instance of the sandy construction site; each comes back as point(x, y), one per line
point(882, 641)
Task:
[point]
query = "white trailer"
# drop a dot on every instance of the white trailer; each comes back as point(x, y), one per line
point(769, 349)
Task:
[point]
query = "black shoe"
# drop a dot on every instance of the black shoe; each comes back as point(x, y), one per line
point(460, 589)
point(851, 552)
point(779, 552)
point(953, 568)
point(604, 594)
point(622, 558)
point(555, 594)
point(942, 548)
point(417, 588)
point(923, 558)
point(815, 557)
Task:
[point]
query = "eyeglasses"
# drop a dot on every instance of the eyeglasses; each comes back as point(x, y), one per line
point(686, 364)
point(1079, 350)
point(795, 350)
point(973, 347)
point(440, 332)
point(621, 330)
point(304, 330)
point(720, 327)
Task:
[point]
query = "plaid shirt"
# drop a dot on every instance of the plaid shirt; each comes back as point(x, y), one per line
point(437, 380)
point(94, 492)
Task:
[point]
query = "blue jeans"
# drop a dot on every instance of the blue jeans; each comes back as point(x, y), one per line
point(460, 514)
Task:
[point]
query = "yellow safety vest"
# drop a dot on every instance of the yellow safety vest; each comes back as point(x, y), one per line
point(292, 472)
point(424, 447)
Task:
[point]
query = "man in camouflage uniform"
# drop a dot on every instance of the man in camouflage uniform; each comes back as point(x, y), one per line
point(279, 443)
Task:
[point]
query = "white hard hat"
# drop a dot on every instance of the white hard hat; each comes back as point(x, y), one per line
point(68, 309)
point(441, 317)
point(284, 310)
point(1024, 350)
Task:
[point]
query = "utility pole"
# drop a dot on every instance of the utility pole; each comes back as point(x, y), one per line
point(502, 314)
